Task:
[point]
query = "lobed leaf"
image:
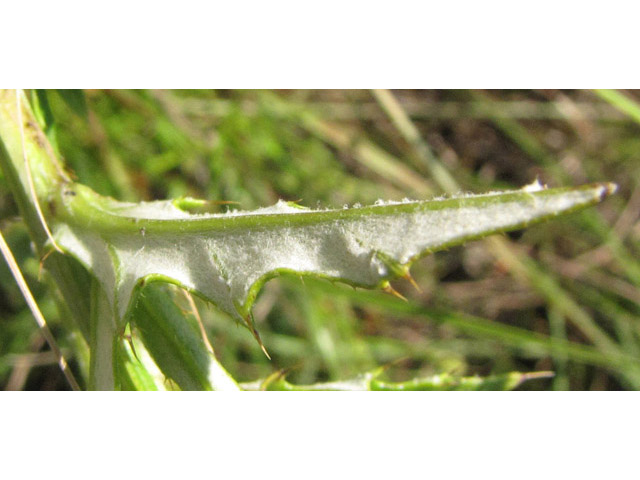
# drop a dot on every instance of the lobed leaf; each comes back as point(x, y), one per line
point(226, 258)
point(370, 381)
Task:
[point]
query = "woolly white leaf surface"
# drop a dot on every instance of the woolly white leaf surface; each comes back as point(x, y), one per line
point(226, 257)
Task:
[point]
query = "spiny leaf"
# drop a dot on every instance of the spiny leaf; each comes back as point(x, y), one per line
point(226, 258)
point(444, 381)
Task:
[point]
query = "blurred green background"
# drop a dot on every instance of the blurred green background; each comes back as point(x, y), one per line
point(562, 296)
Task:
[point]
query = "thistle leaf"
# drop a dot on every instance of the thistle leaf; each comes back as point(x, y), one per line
point(226, 258)
point(369, 381)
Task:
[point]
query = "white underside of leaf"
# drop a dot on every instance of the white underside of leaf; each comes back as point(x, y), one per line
point(223, 265)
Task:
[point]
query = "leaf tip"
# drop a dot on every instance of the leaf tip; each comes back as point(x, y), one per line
point(607, 188)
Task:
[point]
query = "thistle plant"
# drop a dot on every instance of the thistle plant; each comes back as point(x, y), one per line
point(111, 261)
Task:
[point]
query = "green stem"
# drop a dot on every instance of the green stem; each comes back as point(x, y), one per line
point(102, 341)
point(26, 152)
point(48, 177)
